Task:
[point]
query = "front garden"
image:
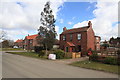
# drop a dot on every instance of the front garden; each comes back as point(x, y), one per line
point(97, 66)
point(101, 62)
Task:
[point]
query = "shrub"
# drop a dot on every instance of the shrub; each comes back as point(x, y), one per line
point(41, 54)
point(37, 49)
point(111, 60)
point(59, 54)
point(93, 57)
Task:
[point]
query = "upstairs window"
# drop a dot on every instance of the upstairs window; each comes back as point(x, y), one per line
point(25, 41)
point(64, 38)
point(97, 38)
point(71, 37)
point(79, 36)
point(31, 41)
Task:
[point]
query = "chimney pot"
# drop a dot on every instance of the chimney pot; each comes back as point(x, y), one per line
point(64, 29)
point(89, 24)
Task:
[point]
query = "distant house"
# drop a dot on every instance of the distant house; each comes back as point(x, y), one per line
point(56, 44)
point(97, 43)
point(79, 39)
point(19, 43)
point(115, 42)
point(30, 41)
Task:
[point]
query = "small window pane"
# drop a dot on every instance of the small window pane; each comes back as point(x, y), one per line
point(79, 36)
point(64, 37)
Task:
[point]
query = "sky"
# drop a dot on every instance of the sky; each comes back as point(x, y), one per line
point(18, 18)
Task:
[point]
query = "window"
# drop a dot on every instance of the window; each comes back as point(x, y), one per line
point(66, 49)
point(78, 48)
point(25, 41)
point(70, 37)
point(98, 48)
point(79, 36)
point(30, 41)
point(97, 38)
point(117, 43)
point(64, 37)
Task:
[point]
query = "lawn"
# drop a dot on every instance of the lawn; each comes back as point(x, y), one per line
point(9, 49)
point(28, 54)
point(97, 66)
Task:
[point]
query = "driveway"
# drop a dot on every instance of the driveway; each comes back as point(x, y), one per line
point(16, 66)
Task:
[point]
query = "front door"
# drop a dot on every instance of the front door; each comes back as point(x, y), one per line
point(66, 49)
point(79, 48)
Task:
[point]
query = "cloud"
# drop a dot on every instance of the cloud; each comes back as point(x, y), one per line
point(70, 23)
point(73, 18)
point(106, 13)
point(24, 16)
point(61, 20)
point(57, 30)
point(88, 8)
point(84, 23)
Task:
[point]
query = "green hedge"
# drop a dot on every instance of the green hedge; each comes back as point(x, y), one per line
point(93, 57)
point(60, 54)
point(111, 60)
point(41, 54)
point(106, 60)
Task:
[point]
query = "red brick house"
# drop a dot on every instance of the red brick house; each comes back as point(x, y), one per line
point(30, 41)
point(97, 43)
point(78, 39)
point(19, 43)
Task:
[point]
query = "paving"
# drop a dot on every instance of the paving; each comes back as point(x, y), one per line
point(16, 66)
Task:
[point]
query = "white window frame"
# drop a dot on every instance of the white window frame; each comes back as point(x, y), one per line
point(79, 36)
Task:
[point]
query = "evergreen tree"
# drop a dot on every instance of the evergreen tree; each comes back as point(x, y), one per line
point(47, 28)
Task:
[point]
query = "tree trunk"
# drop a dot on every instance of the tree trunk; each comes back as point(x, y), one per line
point(46, 49)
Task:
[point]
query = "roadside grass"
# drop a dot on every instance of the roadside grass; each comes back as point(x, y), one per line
point(32, 54)
point(10, 49)
point(97, 66)
point(28, 54)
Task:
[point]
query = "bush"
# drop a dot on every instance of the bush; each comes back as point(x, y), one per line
point(59, 54)
point(37, 49)
point(111, 60)
point(93, 57)
point(41, 54)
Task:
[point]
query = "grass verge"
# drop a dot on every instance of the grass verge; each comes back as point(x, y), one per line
point(10, 49)
point(97, 66)
point(28, 54)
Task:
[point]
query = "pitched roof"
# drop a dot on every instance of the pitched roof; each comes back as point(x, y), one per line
point(19, 40)
point(76, 30)
point(32, 36)
point(70, 44)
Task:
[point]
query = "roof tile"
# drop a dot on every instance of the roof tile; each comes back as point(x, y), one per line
point(76, 30)
point(32, 36)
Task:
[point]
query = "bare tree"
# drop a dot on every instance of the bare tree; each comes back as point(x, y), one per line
point(2, 35)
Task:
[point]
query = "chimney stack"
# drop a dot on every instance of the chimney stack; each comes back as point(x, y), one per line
point(64, 29)
point(89, 24)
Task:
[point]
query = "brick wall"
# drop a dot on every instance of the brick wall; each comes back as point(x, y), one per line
point(90, 39)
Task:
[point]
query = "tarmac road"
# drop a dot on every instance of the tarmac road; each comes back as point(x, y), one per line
point(16, 66)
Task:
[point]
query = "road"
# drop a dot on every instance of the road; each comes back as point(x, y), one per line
point(16, 66)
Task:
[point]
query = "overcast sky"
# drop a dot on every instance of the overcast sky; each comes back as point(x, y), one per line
point(22, 17)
